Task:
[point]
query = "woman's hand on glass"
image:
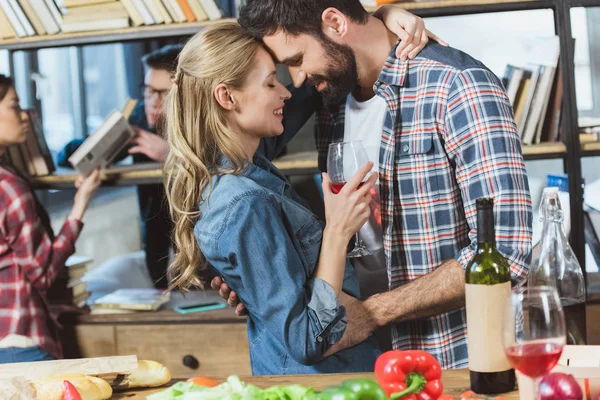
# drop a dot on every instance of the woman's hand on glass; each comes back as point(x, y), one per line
point(347, 211)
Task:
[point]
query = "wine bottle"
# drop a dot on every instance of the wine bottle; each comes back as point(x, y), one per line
point(487, 293)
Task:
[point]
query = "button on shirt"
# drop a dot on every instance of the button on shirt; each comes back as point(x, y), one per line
point(449, 137)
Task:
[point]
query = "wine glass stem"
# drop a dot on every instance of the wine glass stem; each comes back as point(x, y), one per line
point(536, 388)
point(357, 241)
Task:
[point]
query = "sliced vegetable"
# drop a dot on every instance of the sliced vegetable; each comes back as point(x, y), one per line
point(203, 381)
point(559, 386)
point(409, 375)
point(71, 392)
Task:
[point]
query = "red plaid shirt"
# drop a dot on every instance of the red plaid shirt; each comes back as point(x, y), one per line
point(29, 262)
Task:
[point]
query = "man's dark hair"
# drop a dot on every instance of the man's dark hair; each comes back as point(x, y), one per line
point(163, 58)
point(5, 84)
point(294, 17)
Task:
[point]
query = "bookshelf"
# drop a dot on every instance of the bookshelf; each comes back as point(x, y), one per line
point(294, 164)
point(109, 36)
point(571, 151)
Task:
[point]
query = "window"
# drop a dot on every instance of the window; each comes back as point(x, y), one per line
point(4, 70)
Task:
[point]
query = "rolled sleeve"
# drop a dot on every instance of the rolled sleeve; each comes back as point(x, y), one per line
point(329, 317)
point(483, 141)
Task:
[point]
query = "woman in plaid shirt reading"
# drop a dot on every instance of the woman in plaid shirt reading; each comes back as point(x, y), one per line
point(31, 256)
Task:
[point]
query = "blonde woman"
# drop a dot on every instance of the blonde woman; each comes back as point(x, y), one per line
point(235, 212)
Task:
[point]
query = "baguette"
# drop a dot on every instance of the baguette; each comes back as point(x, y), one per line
point(147, 374)
point(89, 387)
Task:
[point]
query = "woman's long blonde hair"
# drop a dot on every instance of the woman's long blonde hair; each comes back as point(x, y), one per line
point(198, 135)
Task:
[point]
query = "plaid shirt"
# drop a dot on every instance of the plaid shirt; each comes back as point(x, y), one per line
point(449, 138)
point(29, 262)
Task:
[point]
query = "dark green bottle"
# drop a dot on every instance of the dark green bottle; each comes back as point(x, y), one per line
point(487, 293)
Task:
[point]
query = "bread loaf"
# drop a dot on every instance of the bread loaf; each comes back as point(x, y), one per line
point(89, 387)
point(147, 374)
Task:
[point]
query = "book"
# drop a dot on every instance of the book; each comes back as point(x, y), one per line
point(174, 10)
point(133, 299)
point(95, 12)
point(45, 15)
point(143, 10)
point(187, 10)
point(99, 25)
point(211, 9)
point(529, 96)
point(128, 108)
point(551, 125)
point(198, 10)
point(75, 3)
point(33, 18)
point(156, 14)
point(22, 17)
point(36, 126)
point(6, 29)
point(40, 168)
point(100, 148)
point(160, 7)
point(56, 14)
point(134, 15)
point(12, 17)
point(514, 76)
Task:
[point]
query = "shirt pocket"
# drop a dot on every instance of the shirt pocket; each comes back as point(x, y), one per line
point(309, 236)
point(422, 166)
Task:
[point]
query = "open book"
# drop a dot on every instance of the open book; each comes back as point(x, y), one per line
point(101, 147)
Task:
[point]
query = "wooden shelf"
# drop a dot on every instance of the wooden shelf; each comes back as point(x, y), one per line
point(544, 151)
point(108, 36)
point(460, 7)
point(591, 149)
point(304, 163)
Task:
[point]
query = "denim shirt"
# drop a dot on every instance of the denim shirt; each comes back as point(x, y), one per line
point(263, 240)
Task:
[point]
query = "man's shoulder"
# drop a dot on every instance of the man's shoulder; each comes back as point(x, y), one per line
point(138, 116)
point(448, 57)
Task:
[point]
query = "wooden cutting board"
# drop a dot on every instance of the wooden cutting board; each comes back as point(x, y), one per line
point(103, 367)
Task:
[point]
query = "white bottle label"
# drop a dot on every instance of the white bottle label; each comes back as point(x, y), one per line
point(485, 313)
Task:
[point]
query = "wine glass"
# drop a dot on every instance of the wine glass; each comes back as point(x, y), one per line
point(343, 162)
point(534, 331)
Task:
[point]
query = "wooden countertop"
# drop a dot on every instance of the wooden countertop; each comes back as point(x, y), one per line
point(225, 315)
point(455, 382)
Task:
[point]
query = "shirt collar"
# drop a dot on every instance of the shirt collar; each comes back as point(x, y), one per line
point(261, 171)
point(394, 70)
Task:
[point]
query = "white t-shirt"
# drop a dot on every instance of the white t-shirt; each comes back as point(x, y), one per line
point(364, 121)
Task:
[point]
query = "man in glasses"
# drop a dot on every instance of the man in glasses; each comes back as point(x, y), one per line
point(148, 145)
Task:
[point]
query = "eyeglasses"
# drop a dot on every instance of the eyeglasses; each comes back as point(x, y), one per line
point(149, 92)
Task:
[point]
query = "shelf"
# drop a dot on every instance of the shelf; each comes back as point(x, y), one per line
point(544, 151)
point(591, 149)
point(460, 7)
point(304, 163)
point(108, 36)
point(585, 3)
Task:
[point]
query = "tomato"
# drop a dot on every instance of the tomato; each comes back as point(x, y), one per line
point(203, 381)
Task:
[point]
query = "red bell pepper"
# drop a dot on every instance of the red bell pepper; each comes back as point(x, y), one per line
point(409, 375)
point(70, 392)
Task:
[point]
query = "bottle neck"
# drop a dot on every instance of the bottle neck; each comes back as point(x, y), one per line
point(486, 231)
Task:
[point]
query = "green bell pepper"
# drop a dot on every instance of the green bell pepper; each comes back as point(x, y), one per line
point(355, 389)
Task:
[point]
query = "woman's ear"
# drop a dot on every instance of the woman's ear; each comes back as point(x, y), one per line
point(224, 97)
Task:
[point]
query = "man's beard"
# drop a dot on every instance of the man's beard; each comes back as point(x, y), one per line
point(341, 73)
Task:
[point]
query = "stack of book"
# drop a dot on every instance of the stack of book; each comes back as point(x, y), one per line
point(33, 157)
point(536, 91)
point(69, 287)
point(131, 300)
point(20, 18)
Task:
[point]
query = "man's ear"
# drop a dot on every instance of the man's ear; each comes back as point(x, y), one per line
point(224, 97)
point(335, 24)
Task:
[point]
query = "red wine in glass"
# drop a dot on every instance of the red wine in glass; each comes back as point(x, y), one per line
point(534, 332)
point(337, 187)
point(534, 359)
point(344, 160)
